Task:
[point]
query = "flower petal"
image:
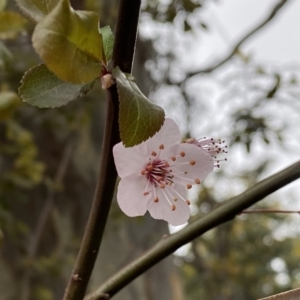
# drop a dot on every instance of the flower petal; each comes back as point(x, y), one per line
point(129, 160)
point(130, 196)
point(133, 159)
point(169, 135)
point(195, 164)
point(163, 210)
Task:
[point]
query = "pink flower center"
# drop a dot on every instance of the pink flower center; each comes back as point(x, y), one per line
point(159, 174)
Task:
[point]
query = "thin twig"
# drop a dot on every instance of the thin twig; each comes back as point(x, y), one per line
point(289, 295)
point(235, 49)
point(223, 213)
point(269, 211)
point(44, 215)
point(125, 39)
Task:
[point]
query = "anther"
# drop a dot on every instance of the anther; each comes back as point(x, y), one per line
point(197, 180)
point(150, 167)
point(188, 202)
point(156, 199)
point(173, 207)
point(153, 153)
point(161, 146)
point(182, 154)
point(146, 193)
point(143, 172)
point(192, 162)
point(188, 186)
point(173, 158)
point(162, 185)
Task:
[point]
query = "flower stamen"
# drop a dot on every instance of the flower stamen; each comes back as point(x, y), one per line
point(213, 147)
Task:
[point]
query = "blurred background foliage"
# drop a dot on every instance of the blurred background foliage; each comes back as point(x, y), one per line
point(49, 159)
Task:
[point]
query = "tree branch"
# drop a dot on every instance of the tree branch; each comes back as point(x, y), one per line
point(223, 213)
point(126, 31)
point(289, 295)
point(269, 211)
point(234, 50)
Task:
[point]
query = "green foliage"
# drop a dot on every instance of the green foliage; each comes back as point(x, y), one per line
point(108, 43)
point(36, 10)
point(43, 293)
point(26, 170)
point(139, 118)
point(5, 56)
point(70, 43)
point(75, 51)
point(8, 103)
point(11, 24)
point(41, 88)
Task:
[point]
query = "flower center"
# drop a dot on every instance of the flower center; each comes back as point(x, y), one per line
point(158, 173)
point(161, 175)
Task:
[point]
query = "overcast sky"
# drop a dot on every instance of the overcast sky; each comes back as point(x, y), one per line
point(228, 20)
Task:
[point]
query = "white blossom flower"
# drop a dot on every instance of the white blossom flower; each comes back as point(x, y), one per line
point(156, 174)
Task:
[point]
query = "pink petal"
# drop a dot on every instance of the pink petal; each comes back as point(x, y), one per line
point(130, 195)
point(162, 209)
point(196, 164)
point(169, 135)
point(130, 160)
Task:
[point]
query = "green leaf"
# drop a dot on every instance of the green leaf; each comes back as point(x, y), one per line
point(11, 24)
point(36, 10)
point(70, 43)
point(41, 88)
point(108, 42)
point(139, 118)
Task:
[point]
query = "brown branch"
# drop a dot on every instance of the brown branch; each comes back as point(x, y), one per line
point(269, 211)
point(289, 295)
point(235, 49)
point(126, 31)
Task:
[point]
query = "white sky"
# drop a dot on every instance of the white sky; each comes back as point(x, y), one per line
point(279, 41)
point(229, 20)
